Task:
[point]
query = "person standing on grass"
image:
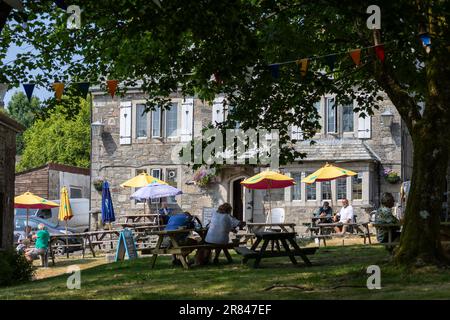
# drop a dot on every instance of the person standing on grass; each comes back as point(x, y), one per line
point(345, 216)
point(42, 238)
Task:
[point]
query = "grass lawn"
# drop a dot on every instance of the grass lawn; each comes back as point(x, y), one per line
point(337, 273)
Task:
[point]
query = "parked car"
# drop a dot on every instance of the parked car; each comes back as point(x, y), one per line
point(20, 223)
point(80, 210)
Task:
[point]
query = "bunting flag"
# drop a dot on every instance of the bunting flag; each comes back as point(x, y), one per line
point(29, 88)
point(330, 61)
point(303, 65)
point(83, 88)
point(379, 51)
point(356, 56)
point(112, 87)
point(59, 88)
point(275, 70)
point(426, 41)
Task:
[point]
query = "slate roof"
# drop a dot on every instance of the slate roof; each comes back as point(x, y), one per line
point(337, 150)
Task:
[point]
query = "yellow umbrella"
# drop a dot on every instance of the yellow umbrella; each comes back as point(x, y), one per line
point(268, 180)
point(327, 173)
point(29, 200)
point(141, 180)
point(65, 212)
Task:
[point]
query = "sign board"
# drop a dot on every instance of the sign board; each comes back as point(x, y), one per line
point(126, 245)
point(207, 215)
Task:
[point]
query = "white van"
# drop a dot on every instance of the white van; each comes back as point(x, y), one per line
point(80, 219)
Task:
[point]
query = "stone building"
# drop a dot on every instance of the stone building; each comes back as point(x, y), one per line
point(8, 130)
point(127, 141)
point(46, 181)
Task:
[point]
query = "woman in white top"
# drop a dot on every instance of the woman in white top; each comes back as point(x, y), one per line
point(222, 222)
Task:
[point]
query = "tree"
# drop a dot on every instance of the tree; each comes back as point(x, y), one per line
point(58, 139)
point(181, 44)
point(25, 112)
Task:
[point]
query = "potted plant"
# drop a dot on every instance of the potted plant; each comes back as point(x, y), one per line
point(98, 184)
point(391, 176)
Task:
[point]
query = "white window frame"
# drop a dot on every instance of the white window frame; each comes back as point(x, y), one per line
point(160, 170)
point(177, 105)
point(327, 98)
point(135, 118)
point(160, 122)
point(299, 186)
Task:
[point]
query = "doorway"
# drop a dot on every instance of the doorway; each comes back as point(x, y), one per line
point(238, 199)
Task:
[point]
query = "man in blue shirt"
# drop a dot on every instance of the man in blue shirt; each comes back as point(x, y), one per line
point(325, 213)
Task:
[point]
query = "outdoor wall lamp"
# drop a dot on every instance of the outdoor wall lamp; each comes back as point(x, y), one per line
point(386, 118)
point(97, 128)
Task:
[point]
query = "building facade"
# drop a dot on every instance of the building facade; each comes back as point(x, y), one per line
point(8, 130)
point(46, 181)
point(129, 141)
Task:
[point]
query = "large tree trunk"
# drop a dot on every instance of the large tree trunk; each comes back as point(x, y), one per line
point(420, 239)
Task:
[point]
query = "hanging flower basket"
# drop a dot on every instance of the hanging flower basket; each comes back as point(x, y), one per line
point(391, 176)
point(98, 184)
point(204, 177)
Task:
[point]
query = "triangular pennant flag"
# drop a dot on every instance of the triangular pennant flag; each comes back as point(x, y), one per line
point(426, 41)
point(379, 51)
point(112, 87)
point(356, 56)
point(303, 65)
point(330, 61)
point(83, 88)
point(29, 88)
point(59, 88)
point(275, 70)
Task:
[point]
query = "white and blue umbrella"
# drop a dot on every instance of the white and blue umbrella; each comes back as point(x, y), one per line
point(155, 191)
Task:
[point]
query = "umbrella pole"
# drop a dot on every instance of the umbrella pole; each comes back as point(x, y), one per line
point(67, 241)
point(26, 228)
point(270, 206)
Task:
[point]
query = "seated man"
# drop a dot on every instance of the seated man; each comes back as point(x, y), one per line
point(42, 238)
point(345, 216)
point(24, 240)
point(165, 213)
point(384, 215)
point(175, 222)
point(325, 213)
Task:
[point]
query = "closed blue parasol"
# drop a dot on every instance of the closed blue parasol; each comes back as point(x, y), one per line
point(155, 191)
point(107, 205)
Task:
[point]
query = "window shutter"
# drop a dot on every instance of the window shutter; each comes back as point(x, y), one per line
point(364, 127)
point(187, 114)
point(218, 114)
point(125, 122)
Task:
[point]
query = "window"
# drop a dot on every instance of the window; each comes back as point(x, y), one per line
point(317, 107)
point(326, 190)
point(156, 122)
point(310, 190)
point(156, 173)
point(76, 192)
point(296, 190)
point(172, 120)
point(347, 118)
point(341, 185)
point(141, 121)
point(331, 115)
point(356, 188)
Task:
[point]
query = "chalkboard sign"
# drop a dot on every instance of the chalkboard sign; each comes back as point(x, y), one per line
point(126, 245)
point(207, 215)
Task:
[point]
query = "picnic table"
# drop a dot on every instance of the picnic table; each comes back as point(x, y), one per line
point(264, 237)
point(133, 218)
point(180, 250)
point(325, 228)
point(283, 227)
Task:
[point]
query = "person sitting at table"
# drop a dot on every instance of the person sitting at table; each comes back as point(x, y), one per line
point(384, 216)
point(345, 216)
point(42, 238)
point(179, 221)
point(325, 213)
point(165, 212)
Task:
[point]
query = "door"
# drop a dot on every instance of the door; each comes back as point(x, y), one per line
point(238, 208)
